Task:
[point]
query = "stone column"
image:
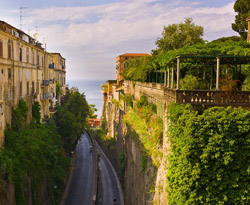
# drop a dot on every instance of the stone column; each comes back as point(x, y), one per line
point(168, 85)
point(218, 73)
point(178, 73)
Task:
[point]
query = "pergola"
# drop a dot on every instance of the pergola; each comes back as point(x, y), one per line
point(206, 60)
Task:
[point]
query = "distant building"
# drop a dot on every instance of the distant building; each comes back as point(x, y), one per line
point(94, 122)
point(27, 72)
point(248, 33)
point(120, 60)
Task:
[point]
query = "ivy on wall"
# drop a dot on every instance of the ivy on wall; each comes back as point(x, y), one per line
point(209, 159)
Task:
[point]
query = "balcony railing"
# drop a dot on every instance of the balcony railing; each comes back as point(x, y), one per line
point(193, 97)
point(52, 66)
point(52, 81)
point(45, 82)
point(45, 96)
point(212, 97)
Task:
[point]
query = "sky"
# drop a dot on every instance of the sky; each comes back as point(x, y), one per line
point(90, 34)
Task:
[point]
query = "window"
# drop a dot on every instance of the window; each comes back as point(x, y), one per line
point(37, 87)
point(1, 49)
point(28, 88)
point(9, 51)
point(27, 55)
point(32, 88)
point(21, 89)
point(20, 55)
point(33, 58)
point(37, 59)
point(42, 60)
point(9, 73)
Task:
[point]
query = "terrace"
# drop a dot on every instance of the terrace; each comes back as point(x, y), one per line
point(219, 77)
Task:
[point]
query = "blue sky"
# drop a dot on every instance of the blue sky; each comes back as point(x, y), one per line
point(91, 33)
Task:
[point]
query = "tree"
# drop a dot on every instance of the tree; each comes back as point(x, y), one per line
point(68, 128)
point(176, 36)
point(242, 7)
point(92, 110)
point(78, 106)
point(36, 112)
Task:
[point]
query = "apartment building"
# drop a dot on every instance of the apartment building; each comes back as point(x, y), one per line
point(27, 72)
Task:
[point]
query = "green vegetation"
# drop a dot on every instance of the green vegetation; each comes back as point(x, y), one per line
point(176, 36)
point(179, 40)
point(19, 116)
point(36, 115)
point(148, 127)
point(209, 156)
point(122, 162)
point(39, 153)
point(242, 8)
point(144, 160)
point(58, 89)
point(137, 68)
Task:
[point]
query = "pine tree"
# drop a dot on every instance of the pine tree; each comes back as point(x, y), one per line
point(242, 7)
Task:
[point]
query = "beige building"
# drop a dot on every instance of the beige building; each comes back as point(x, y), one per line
point(27, 72)
point(60, 72)
point(120, 60)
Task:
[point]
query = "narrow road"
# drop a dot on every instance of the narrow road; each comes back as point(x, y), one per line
point(81, 181)
point(111, 187)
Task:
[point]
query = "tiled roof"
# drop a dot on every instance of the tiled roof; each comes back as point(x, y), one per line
point(248, 18)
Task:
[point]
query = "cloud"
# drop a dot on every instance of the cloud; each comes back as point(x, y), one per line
point(90, 37)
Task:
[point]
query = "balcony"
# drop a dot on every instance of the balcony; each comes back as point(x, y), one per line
point(104, 88)
point(52, 81)
point(45, 82)
point(52, 66)
point(45, 96)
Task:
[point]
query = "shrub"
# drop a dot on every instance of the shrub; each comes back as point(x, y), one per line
point(209, 155)
point(143, 101)
point(36, 112)
point(122, 162)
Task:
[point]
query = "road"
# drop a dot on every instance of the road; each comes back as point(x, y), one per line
point(111, 187)
point(81, 181)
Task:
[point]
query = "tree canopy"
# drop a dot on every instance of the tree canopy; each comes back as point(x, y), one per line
point(176, 36)
point(242, 7)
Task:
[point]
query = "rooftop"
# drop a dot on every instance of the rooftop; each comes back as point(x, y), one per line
point(134, 54)
point(19, 34)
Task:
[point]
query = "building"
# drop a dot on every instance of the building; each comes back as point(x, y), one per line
point(27, 72)
point(120, 61)
point(60, 73)
point(248, 33)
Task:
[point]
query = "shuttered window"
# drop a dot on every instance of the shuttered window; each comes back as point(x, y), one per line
point(9, 51)
point(1, 49)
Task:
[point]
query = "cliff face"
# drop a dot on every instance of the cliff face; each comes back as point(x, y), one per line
point(8, 197)
point(143, 180)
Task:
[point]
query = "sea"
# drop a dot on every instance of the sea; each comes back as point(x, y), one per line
point(92, 91)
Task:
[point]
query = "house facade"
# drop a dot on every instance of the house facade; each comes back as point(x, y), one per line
point(27, 72)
